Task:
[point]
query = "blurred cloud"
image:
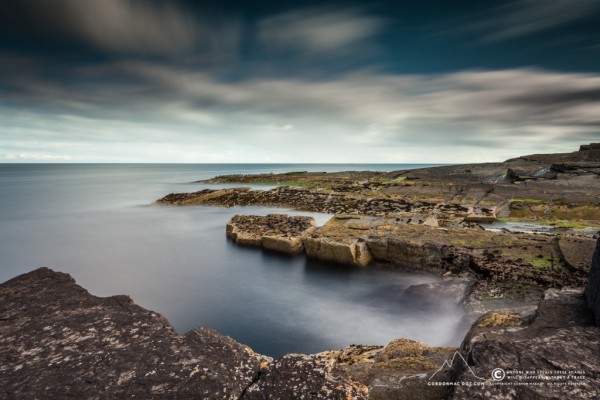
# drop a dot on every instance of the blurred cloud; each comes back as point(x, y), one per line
point(394, 116)
point(319, 30)
point(148, 27)
point(523, 17)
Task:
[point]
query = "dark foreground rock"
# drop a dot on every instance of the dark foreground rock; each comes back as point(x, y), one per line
point(304, 377)
point(557, 356)
point(59, 342)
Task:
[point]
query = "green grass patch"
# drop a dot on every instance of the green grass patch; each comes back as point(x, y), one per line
point(543, 263)
point(536, 201)
point(559, 223)
point(292, 183)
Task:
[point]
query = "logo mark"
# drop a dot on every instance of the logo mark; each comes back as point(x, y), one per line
point(451, 364)
point(498, 374)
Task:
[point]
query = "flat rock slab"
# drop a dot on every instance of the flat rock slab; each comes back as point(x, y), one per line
point(59, 342)
point(276, 232)
point(520, 257)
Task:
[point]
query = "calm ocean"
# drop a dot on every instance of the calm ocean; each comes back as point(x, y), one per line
point(98, 223)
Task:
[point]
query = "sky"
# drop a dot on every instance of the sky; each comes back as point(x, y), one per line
point(296, 82)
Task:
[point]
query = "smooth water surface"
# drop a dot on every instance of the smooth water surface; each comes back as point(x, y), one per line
point(99, 224)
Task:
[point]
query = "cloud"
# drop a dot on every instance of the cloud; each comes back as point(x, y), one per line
point(319, 31)
point(525, 17)
point(365, 116)
point(148, 27)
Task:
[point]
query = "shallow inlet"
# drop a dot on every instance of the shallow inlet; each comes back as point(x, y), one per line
point(96, 223)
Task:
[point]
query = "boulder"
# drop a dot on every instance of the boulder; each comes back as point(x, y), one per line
point(556, 356)
point(576, 252)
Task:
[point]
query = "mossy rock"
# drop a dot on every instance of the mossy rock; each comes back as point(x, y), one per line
point(500, 320)
point(409, 355)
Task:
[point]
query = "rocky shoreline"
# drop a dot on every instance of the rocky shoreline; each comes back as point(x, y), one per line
point(429, 219)
point(59, 341)
point(523, 294)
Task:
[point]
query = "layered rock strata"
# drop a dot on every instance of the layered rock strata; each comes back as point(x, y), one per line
point(360, 240)
point(275, 232)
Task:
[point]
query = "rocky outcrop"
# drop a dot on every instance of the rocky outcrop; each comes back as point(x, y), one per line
point(62, 342)
point(556, 356)
point(559, 190)
point(405, 367)
point(571, 177)
point(275, 232)
point(536, 259)
point(332, 202)
point(351, 251)
point(526, 258)
point(58, 341)
point(304, 377)
point(305, 199)
point(500, 297)
point(399, 371)
point(592, 290)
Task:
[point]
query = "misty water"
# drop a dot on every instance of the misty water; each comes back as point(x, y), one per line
point(99, 224)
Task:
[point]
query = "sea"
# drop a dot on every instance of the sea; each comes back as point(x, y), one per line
point(100, 224)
